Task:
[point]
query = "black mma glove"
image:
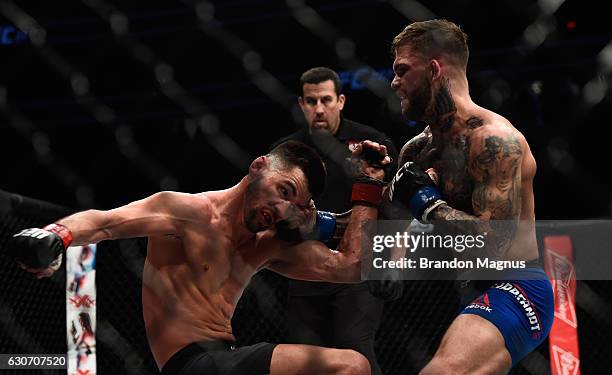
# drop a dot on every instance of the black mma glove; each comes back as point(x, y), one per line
point(375, 159)
point(415, 189)
point(40, 248)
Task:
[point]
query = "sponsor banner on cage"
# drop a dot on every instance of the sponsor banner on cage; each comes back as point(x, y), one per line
point(480, 249)
point(81, 309)
point(563, 337)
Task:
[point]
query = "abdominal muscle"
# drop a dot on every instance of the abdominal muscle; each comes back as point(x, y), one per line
point(180, 305)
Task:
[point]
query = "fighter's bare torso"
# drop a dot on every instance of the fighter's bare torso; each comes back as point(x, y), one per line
point(204, 249)
point(193, 279)
point(461, 153)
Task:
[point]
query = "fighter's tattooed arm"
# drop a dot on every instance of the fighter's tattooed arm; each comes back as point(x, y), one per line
point(410, 152)
point(413, 147)
point(494, 160)
point(474, 122)
point(495, 166)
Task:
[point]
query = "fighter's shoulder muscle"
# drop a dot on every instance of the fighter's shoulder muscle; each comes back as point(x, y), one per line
point(412, 148)
point(501, 131)
point(187, 207)
point(497, 132)
point(496, 148)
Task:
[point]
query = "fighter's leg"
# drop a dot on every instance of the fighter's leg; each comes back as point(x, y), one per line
point(499, 328)
point(356, 316)
point(290, 359)
point(310, 320)
point(471, 345)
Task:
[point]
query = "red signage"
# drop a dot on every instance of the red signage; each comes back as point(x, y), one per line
point(563, 338)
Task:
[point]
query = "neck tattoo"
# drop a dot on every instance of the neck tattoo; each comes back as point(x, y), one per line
point(442, 109)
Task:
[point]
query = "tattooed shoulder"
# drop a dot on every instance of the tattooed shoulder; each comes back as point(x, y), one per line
point(474, 122)
point(488, 145)
point(495, 159)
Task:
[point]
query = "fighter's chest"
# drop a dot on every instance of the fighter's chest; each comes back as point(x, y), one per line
point(246, 261)
point(232, 271)
point(451, 163)
point(217, 255)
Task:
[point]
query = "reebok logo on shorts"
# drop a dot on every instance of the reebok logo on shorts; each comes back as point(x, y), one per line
point(481, 303)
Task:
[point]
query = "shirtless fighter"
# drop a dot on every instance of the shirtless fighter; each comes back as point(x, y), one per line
point(485, 172)
point(203, 250)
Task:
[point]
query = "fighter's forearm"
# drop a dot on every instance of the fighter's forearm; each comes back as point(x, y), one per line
point(499, 233)
point(342, 221)
point(446, 212)
point(351, 244)
point(147, 217)
point(89, 226)
point(366, 196)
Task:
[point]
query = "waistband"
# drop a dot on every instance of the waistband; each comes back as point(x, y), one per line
point(533, 271)
point(179, 359)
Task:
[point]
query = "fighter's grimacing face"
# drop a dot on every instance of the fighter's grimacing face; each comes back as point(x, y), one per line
point(275, 195)
point(412, 83)
point(321, 105)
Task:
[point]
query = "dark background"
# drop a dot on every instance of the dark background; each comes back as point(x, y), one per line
point(105, 102)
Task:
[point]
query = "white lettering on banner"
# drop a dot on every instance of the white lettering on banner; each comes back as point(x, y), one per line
point(563, 338)
point(565, 362)
point(564, 305)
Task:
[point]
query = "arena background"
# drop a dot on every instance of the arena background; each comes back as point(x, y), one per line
point(105, 102)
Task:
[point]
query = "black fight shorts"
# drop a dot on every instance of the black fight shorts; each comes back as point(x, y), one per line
point(220, 358)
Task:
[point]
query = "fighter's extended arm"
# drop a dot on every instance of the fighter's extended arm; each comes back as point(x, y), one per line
point(162, 213)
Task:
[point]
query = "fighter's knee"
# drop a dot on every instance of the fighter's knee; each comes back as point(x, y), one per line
point(353, 363)
point(440, 365)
